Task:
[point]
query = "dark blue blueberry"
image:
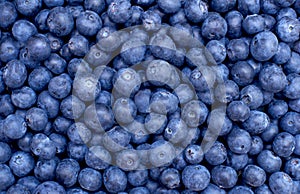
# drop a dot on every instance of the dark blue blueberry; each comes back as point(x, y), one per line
point(7, 178)
point(90, 179)
point(195, 177)
point(119, 11)
point(144, 2)
point(239, 141)
point(37, 48)
point(55, 64)
point(178, 18)
point(252, 96)
point(22, 30)
point(284, 3)
point(5, 152)
point(30, 182)
point(284, 144)
point(77, 151)
point(53, 3)
point(65, 52)
point(9, 49)
point(80, 191)
point(291, 65)
point(241, 189)
point(217, 49)
point(48, 103)
point(67, 172)
point(257, 122)
point(39, 78)
point(253, 24)
point(98, 158)
point(14, 126)
point(272, 78)
point(170, 178)
point(249, 7)
point(60, 21)
point(139, 190)
point(269, 7)
point(264, 46)
point(23, 98)
point(8, 14)
point(168, 6)
point(242, 73)
point(88, 23)
point(108, 39)
point(6, 106)
point(270, 132)
point(14, 74)
point(234, 21)
point(196, 10)
point(217, 154)
point(237, 49)
point(114, 179)
point(238, 111)
point(95, 5)
point(138, 177)
point(286, 12)
point(42, 146)
point(175, 130)
point(254, 176)
point(184, 92)
point(75, 10)
point(224, 176)
point(292, 89)
point(287, 29)
point(77, 65)
point(48, 187)
point(133, 51)
point(155, 123)
point(280, 182)
point(227, 92)
point(214, 26)
point(237, 161)
point(142, 100)
point(79, 133)
point(290, 122)
point(75, 2)
point(284, 55)
point(61, 124)
point(21, 163)
point(297, 147)
point(162, 46)
point(210, 189)
point(222, 5)
point(44, 170)
point(296, 187)
point(60, 86)
point(71, 107)
point(151, 20)
point(24, 142)
point(41, 20)
point(36, 119)
point(163, 102)
point(264, 189)
point(59, 141)
point(292, 167)
point(78, 45)
point(116, 139)
point(256, 146)
point(28, 8)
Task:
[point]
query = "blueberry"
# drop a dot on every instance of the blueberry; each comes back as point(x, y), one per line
point(269, 21)
point(37, 48)
point(155, 123)
point(44, 170)
point(30, 182)
point(24, 97)
point(291, 90)
point(22, 30)
point(287, 29)
point(291, 66)
point(256, 146)
point(297, 147)
point(79, 191)
point(88, 23)
point(24, 142)
point(94, 5)
point(8, 14)
point(193, 154)
point(39, 78)
point(14, 126)
point(272, 78)
point(170, 178)
point(175, 130)
point(253, 24)
point(224, 176)
point(254, 176)
point(116, 139)
point(67, 172)
point(77, 65)
point(7, 178)
point(14, 74)
point(289, 12)
point(77, 151)
point(218, 120)
point(49, 186)
point(217, 49)
point(269, 7)
point(162, 153)
point(264, 189)
point(114, 179)
point(60, 21)
point(127, 159)
point(48, 103)
point(162, 46)
point(237, 49)
point(119, 11)
point(75, 2)
point(280, 182)
point(242, 73)
point(168, 6)
point(196, 10)
point(238, 111)
point(42, 146)
point(9, 49)
point(282, 3)
point(6, 106)
point(211, 188)
point(214, 27)
point(60, 86)
point(79, 133)
point(85, 86)
point(28, 8)
point(36, 119)
point(249, 7)
point(138, 177)
point(239, 141)
point(217, 154)
point(292, 168)
point(284, 144)
point(163, 102)
point(55, 64)
point(55, 3)
point(41, 20)
point(90, 179)
point(270, 132)
point(237, 161)
point(234, 21)
point(71, 107)
point(289, 122)
point(257, 122)
point(21, 163)
point(195, 177)
point(5, 151)
point(59, 141)
point(241, 189)
point(139, 190)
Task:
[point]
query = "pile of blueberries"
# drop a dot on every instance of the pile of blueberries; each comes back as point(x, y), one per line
point(150, 96)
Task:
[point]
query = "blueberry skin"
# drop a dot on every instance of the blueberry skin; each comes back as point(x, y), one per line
point(75, 2)
point(234, 21)
point(90, 179)
point(297, 147)
point(23, 98)
point(49, 186)
point(6, 106)
point(105, 76)
point(77, 151)
point(239, 141)
point(254, 176)
point(163, 102)
point(36, 119)
point(237, 49)
point(238, 111)
point(252, 96)
point(283, 55)
point(253, 24)
point(162, 46)
point(196, 10)
point(290, 66)
point(170, 178)
point(77, 65)
point(217, 154)
point(30, 182)
point(124, 110)
point(79, 191)
point(168, 6)
point(193, 154)
point(53, 3)
point(249, 7)
point(284, 144)
point(237, 161)
point(60, 21)
point(17, 188)
point(291, 91)
point(270, 132)
point(191, 177)
point(9, 49)
point(139, 190)
point(60, 86)
point(94, 5)
point(256, 146)
point(257, 122)
point(42, 146)
point(194, 113)
point(22, 30)
point(55, 64)
point(24, 142)
point(7, 178)
point(264, 189)
point(269, 21)
point(287, 29)
point(224, 176)
point(282, 3)
point(222, 6)
point(67, 172)
point(133, 51)
point(138, 177)
point(142, 100)
point(41, 20)
point(155, 123)
point(14, 74)
point(214, 27)
point(79, 133)
point(5, 151)
point(116, 139)
point(151, 20)
point(280, 182)
point(71, 107)
point(21, 163)
point(242, 73)
point(292, 168)
point(269, 7)
point(28, 9)
point(289, 12)
point(114, 179)
point(14, 126)
point(119, 11)
point(37, 48)
point(264, 46)
point(39, 78)
point(162, 153)
point(175, 130)
point(241, 189)
point(290, 124)
point(8, 14)
point(98, 158)
point(217, 49)
point(211, 188)
point(49, 104)
point(60, 142)
point(88, 23)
